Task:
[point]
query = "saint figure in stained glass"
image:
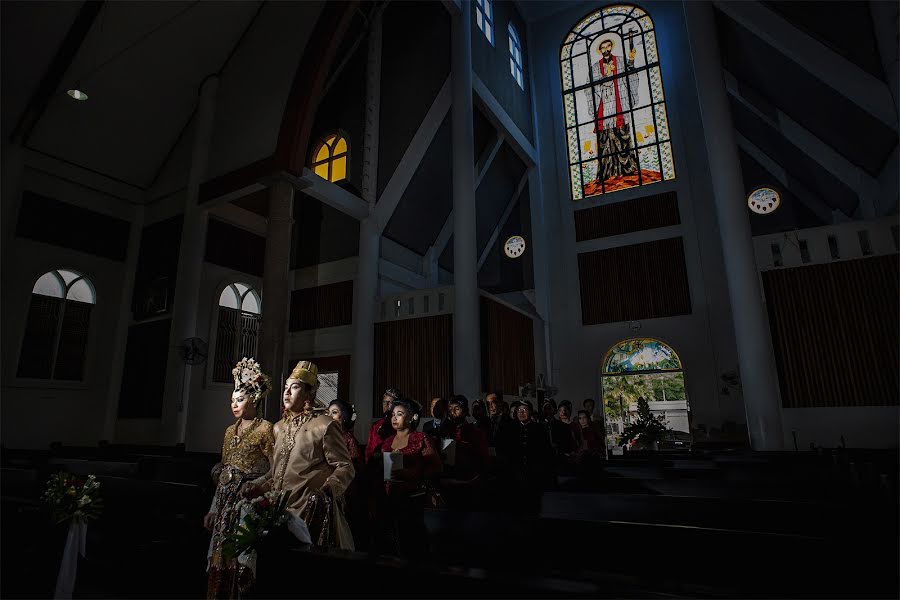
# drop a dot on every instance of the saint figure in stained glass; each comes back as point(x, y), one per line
point(616, 92)
point(616, 123)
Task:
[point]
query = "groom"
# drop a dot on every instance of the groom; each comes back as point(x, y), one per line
point(311, 462)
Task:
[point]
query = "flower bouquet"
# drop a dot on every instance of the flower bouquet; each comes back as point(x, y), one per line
point(72, 498)
point(260, 515)
point(77, 501)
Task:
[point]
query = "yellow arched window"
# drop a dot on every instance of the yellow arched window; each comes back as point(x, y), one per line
point(330, 158)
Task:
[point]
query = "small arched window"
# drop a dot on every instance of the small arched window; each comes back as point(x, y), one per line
point(515, 56)
point(56, 330)
point(330, 158)
point(237, 329)
point(615, 111)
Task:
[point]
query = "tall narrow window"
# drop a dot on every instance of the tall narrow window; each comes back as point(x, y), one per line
point(237, 329)
point(330, 158)
point(484, 18)
point(56, 330)
point(515, 56)
point(616, 123)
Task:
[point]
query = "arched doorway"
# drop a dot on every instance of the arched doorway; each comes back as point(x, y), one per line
point(645, 368)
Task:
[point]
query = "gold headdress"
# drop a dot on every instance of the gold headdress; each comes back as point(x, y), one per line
point(249, 378)
point(306, 372)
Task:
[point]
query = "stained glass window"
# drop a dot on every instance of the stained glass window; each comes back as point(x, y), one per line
point(484, 18)
point(617, 129)
point(515, 56)
point(645, 370)
point(330, 158)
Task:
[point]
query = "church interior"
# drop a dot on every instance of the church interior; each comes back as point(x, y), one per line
point(626, 275)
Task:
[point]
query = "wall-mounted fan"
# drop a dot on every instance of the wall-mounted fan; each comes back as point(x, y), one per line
point(193, 351)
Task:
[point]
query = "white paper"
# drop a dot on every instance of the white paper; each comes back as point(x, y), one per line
point(448, 451)
point(393, 462)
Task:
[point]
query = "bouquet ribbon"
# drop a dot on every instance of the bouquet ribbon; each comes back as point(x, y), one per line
point(76, 541)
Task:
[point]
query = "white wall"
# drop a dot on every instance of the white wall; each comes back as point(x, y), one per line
point(704, 339)
point(37, 412)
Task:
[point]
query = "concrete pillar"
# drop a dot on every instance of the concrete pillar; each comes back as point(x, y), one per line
point(884, 18)
point(190, 270)
point(754, 343)
point(276, 292)
point(365, 288)
point(540, 256)
point(365, 297)
point(117, 354)
point(466, 325)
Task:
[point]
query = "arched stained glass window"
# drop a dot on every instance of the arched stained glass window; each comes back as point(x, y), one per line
point(515, 56)
point(616, 124)
point(237, 328)
point(56, 330)
point(644, 369)
point(330, 158)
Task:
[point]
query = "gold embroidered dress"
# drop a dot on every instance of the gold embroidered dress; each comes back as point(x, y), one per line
point(244, 458)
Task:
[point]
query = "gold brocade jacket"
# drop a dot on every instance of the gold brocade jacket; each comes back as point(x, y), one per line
point(309, 453)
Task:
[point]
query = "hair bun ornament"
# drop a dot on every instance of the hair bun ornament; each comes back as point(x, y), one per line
point(249, 378)
point(415, 417)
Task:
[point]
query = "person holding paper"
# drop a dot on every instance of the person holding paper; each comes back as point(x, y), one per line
point(411, 461)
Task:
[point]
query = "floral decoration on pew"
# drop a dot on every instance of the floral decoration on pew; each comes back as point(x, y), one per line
point(260, 515)
point(72, 498)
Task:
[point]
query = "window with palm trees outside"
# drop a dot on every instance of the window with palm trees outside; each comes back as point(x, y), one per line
point(643, 374)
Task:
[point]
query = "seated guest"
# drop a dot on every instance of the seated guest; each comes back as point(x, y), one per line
point(381, 428)
point(439, 412)
point(525, 445)
point(402, 515)
point(482, 422)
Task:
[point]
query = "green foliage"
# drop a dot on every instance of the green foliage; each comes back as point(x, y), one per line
point(647, 429)
point(72, 498)
point(262, 514)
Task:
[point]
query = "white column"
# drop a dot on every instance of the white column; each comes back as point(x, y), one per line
point(190, 271)
point(540, 255)
point(276, 291)
point(754, 343)
point(466, 326)
point(365, 288)
point(117, 353)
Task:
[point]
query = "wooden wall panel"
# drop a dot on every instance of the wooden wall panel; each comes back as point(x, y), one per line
point(835, 332)
point(414, 356)
point(322, 306)
point(507, 348)
point(649, 212)
point(627, 283)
